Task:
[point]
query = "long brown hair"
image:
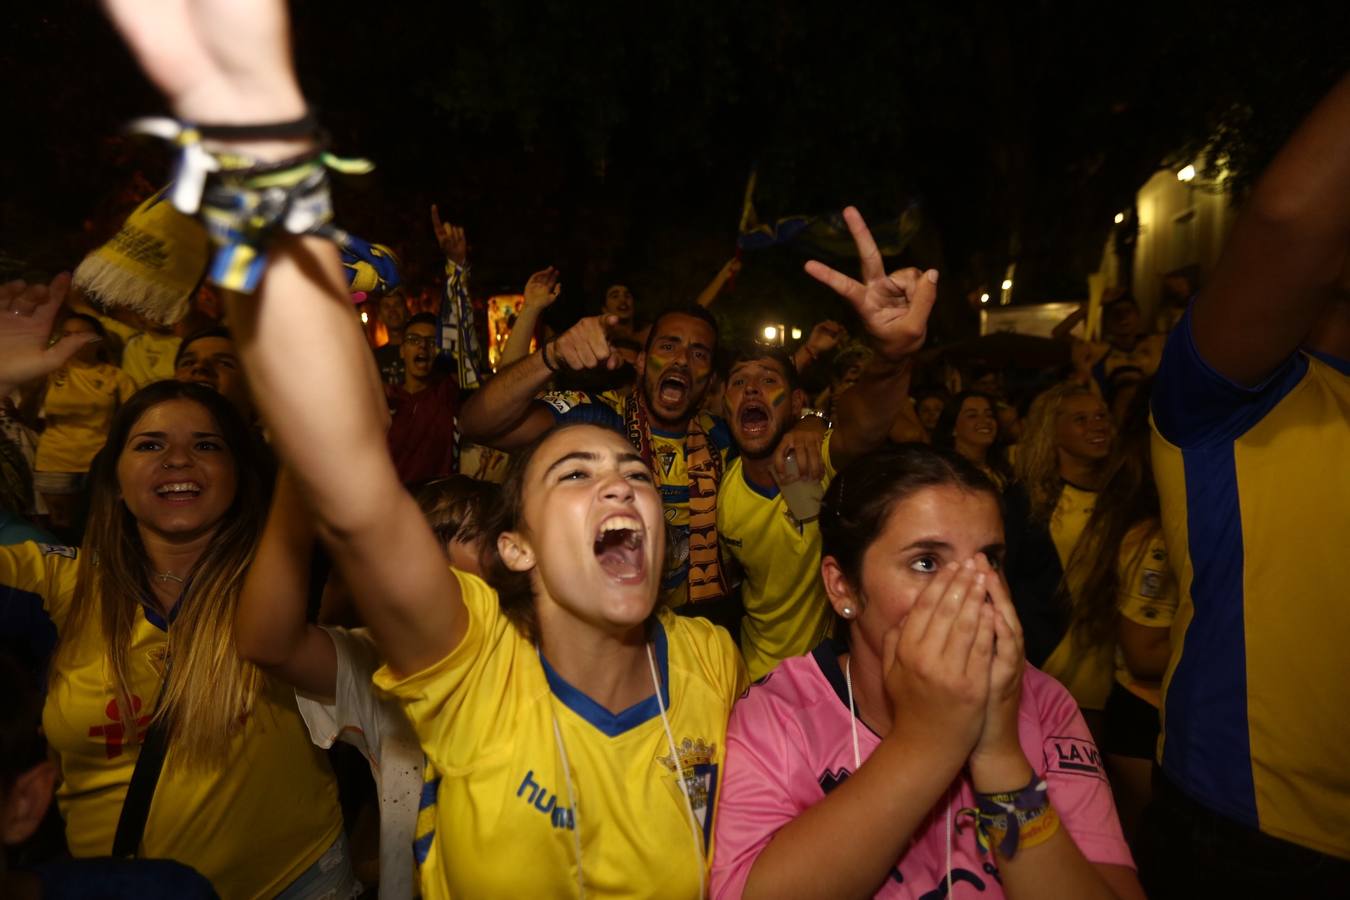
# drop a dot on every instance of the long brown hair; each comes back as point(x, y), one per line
point(210, 688)
point(1038, 453)
point(1128, 499)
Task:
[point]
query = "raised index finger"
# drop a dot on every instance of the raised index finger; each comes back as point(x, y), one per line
point(842, 285)
point(436, 220)
point(872, 265)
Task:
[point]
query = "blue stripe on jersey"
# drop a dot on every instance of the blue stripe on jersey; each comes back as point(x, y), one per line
point(429, 790)
point(614, 724)
point(422, 846)
point(1207, 749)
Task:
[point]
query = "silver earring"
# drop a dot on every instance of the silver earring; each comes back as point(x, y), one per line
point(847, 612)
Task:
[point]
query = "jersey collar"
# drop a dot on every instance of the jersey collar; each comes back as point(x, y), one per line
point(615, 724)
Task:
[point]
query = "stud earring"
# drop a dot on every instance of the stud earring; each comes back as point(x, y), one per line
point(847, 612)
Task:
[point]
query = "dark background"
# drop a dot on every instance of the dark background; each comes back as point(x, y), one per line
point(614, 140)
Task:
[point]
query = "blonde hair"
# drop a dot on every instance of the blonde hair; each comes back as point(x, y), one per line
point(1037, 467)
point(210, 689)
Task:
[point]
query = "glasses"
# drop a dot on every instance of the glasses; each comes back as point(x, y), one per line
point(416, 340)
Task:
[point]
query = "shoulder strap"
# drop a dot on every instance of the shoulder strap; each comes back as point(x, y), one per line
point(136, 806)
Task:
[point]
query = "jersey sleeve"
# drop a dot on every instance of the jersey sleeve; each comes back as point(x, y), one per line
point(125, 387)
point(1195, 406)
point(444, 701)
point(353, 714)
point(36, 584)
point(578, 407)
point(762, 766)
point(1074, 774)
point(1148, 589)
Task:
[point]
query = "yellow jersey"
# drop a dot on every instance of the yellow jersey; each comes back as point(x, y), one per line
point(1255, 495)
point(787, 613)
point(146, 355)
point(1085, 671)
point(507, 816)
point(1148, 596)
point(251, 827)
point(606, 409)
point(79, 407)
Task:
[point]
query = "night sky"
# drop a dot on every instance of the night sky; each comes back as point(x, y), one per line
point(614, 140)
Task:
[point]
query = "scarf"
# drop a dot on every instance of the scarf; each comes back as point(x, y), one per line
point(707, 574)
point(458, 336)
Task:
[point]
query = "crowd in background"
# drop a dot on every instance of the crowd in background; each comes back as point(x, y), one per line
point(644, 542)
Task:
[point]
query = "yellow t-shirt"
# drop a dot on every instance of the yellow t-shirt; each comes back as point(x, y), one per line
point(79, 408)
point(505, 823)
point(146, 356)
point(786, 610)
point(251, 827)
point(606, 410)
point(1085, 671)
point(1148, 596)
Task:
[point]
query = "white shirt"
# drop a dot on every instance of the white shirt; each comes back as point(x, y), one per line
point(376, 725)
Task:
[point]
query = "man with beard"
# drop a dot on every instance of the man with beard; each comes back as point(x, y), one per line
point(685, 447)
point(786, 610)
point(422, 433)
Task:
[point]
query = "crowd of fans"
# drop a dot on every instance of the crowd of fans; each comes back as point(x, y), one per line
point(294, 602)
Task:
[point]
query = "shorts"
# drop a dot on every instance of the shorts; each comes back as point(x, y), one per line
point(330, 878)
point(59, 482)
point(1132, 725)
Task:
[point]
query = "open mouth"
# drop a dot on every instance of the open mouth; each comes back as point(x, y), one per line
point(421, 359)
point(618, 548)
point(179, 491)
point(672, 389)
point(753, 419)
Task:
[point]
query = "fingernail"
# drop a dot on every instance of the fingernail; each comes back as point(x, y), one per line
point(932, 275)
point(979, 580)
point(968, 564)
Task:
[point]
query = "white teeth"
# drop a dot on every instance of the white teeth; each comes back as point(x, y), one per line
point(620, 523)
point(178, 487)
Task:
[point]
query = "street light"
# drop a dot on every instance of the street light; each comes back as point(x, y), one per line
point(1120, 217)
point(1007, 284)
point(984, 298)
point(770, 333)
point(365, 317)
point(796, 334)
point(1186, 174)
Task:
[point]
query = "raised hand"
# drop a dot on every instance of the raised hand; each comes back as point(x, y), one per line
point(824, 337)
point(586, 345)
point(895, 307)
point(26, 315)
point(217, 61)
point(542, 288)
point(804, 443)
point(940, 659)
point(451, 238)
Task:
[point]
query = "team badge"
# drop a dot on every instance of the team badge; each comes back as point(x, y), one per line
point(699, 772)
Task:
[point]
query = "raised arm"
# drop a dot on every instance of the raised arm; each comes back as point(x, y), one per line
point(824, 337)
point(724, 274)
point(540, 292)
point(228, 61)
point(894, 309)
point(26, 315)
point(503, 413)
point(269, 623)
point(1287, 248)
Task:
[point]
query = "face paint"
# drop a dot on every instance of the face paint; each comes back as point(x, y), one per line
point(777, 396)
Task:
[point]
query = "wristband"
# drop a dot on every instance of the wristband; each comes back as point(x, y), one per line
point(543, 352)
point(1012, 820)
point(303, 127)
point(244, 202)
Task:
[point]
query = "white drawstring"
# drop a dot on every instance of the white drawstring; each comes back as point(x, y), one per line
point(679, 774)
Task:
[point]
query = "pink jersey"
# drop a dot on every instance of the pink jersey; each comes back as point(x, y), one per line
point(789, 744)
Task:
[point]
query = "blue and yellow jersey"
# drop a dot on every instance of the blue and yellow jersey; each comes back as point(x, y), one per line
point(251, 826)
point(500, 818)
point(787, 613)
point(1147, 596)
point(606, 410)
point(1255, 497)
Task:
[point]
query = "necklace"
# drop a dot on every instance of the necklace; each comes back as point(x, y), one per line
point(164, 577)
